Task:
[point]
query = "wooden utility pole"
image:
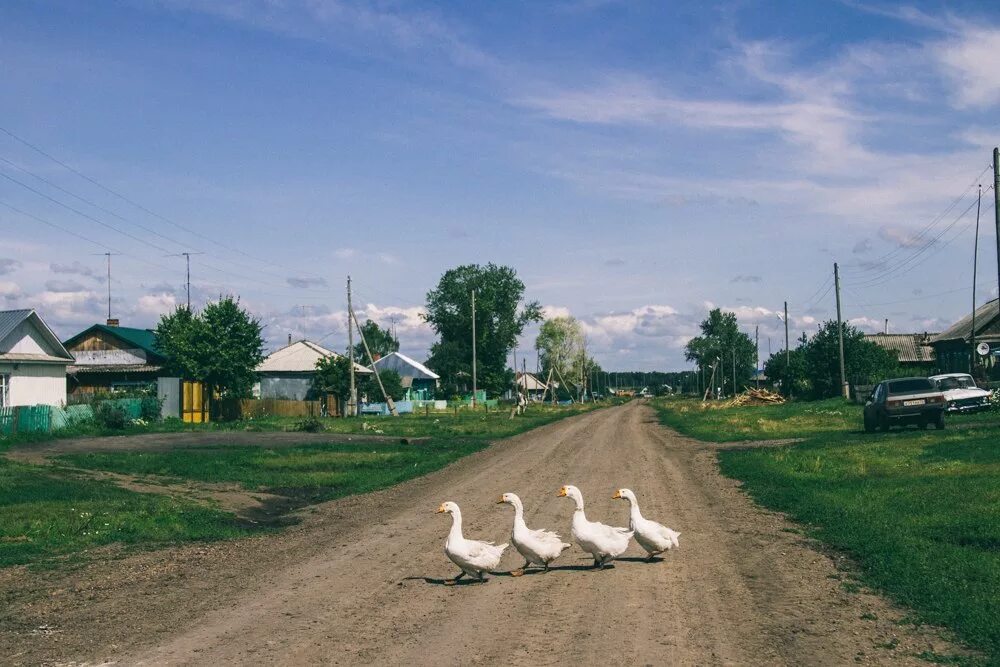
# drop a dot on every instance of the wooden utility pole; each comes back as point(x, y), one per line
point(709, 387)
point(473, 349)
point(996, 204)
point(734, 371)
point(371, 360)
point(975, 267)
point(756, 344)
point(108, 255)
point(844, 387)
point(352, 398)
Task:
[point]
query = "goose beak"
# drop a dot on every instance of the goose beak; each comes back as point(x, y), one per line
point(562, 493)
point(501, 501)
point(441, 509)
point(618, 495)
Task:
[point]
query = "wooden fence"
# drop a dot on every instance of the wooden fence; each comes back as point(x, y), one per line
point(257, 408)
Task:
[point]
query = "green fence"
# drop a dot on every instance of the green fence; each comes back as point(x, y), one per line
point(25, 419)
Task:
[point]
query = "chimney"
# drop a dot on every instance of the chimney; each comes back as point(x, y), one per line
point(886, 325)
point(112, 322)
point(289, 338)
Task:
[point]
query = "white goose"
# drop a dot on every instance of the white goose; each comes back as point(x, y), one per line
point(655, 538)
point(472, 556)
point(539, 547)
point(603, 542)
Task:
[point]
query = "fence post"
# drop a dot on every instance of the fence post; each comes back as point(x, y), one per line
point(17, 419)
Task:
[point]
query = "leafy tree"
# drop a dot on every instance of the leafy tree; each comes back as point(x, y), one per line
point(500, 319)
point(720, 339)
point(560, 344)
point(380, 341)
point(792, 376)
point(333, 377)
point(864, 361)
point(221, 346)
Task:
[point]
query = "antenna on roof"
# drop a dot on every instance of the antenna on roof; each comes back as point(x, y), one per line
point(111, 322)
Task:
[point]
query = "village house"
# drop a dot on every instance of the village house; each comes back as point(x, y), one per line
point(32, 361)
point(110, 358)
point(914, 351)
point(419, 381)
point(288, 373)
point(953, 347)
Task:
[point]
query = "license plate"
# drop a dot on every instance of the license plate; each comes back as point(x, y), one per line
point(912, 403)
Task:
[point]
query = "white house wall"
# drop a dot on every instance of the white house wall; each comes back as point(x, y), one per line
point(36, 384)
point(26, 339)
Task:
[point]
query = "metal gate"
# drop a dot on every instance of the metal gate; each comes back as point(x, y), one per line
point(194, 402)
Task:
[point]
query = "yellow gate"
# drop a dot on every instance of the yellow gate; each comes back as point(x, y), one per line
point(194, 406)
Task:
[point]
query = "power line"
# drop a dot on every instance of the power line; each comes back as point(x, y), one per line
point(137, 205)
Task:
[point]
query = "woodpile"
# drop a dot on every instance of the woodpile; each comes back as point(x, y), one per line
point(756, 397)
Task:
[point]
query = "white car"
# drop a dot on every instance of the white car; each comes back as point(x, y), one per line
point(961, 392)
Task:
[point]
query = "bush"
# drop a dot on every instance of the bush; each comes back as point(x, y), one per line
point(149, 409)
point(310, 424)
point(109, 415)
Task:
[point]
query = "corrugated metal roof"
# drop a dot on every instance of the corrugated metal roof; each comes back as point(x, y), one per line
point(406, 367)
point(986, 315)
point(144, 339)
point(529, 382)
point(301, 357)
point(910, 348)
point(12, 319)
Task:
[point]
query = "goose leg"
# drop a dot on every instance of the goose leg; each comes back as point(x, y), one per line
point(518, 572)
point(452, 582)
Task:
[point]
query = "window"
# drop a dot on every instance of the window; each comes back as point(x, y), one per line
point(911, 386)
point(4, 390)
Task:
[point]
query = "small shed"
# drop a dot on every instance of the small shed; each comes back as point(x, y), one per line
point(110, 358)
point(288, 373)
point(953, 346)
point(32, 361)
point(419, 381)
point(913, 350)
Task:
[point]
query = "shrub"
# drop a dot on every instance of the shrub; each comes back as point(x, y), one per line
point(109, 415)
point(310, 424)
point(149, 409)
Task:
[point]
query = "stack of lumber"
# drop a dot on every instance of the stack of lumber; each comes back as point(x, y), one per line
point(756, 397)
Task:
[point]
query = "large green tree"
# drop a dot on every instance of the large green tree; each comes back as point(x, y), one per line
point(864, 361)
point(500, 318)
point(220, 346)
point(721, 343)
point(380, 341)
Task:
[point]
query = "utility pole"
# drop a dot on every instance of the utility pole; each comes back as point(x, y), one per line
point(473, 349)
point(975, 267)
point(371, 360)
point(756, 344)
point(788, 358)
point(844, 388)
point(352, 399)
point(996, 204)
point(108, 255)
point(517, 387)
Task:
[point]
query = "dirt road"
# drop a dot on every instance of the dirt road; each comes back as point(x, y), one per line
point(361, 580)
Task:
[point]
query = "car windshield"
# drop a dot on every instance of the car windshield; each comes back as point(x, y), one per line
point(960, 382)
point(914, 386)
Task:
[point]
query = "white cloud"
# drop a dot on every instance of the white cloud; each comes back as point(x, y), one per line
point(157, 304)
point(968, 60)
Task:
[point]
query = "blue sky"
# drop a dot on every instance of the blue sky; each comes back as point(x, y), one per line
point(636, 162)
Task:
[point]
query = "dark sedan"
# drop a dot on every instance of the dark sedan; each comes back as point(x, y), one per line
point(905, 401)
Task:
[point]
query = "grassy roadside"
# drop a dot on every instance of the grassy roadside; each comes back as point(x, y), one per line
point(918, 511)
point(49, 514)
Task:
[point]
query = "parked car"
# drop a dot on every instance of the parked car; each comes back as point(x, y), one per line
point(905, 401)
point(961, 393)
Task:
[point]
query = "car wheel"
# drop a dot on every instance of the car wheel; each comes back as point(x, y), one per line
point(939, 422)
point(869, 424)
point(883, 423)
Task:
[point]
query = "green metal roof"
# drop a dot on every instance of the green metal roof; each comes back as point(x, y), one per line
point(144, 339)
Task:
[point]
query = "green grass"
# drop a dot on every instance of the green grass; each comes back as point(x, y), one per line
point(47, 515)
point(313, 472)
point(918, 511)
point(711, 422)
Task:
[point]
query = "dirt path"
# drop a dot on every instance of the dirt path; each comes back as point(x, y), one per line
point(360, 581)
